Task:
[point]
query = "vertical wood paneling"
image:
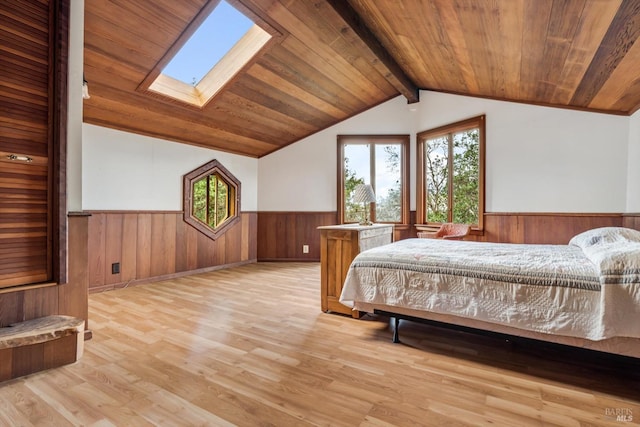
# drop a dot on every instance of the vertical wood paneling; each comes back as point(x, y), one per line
point(498, 228)
point(97, 248)
point(164, 245)
point(143, 255)
point(631, 221)
point(267, 235)
point(233, 245)
point(284, 239)
point(169, 241)
point(59, 352)
point(73, 295)
point(113, 247)
point(156, 244)
point(560, 229)
point(206, 253)
point(128, 258)
point(11, 308)
point(40, 302)
point(158, 248)
point(182, 248)
point(543, 228)
point(6, 355)
point(221, 249)
point(281, 235)
point(192, 247)
point(27, 359)
point(251, 237)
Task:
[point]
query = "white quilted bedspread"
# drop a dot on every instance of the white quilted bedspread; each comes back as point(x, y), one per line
point(589, 288)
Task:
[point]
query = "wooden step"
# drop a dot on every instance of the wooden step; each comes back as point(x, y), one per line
point(38, 344)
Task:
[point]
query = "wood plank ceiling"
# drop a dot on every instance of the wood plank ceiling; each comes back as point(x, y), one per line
point(331, 59)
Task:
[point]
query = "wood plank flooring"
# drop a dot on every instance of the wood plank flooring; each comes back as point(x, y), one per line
point(249, 346)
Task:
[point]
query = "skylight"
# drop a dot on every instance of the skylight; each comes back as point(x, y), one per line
point(217, 50)
point(222, 29)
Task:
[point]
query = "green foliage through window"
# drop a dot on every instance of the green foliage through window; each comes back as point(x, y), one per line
point(352, 211)
point(452, 173)
point(378, 160)
point(212, 198)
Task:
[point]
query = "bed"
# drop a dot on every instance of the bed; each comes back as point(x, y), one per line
point(585, 294)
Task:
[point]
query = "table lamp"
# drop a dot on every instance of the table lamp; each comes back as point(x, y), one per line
point(363, 193)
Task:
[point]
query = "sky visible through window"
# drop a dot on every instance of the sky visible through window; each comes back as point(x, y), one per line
point(212, 40)
point(359, 161)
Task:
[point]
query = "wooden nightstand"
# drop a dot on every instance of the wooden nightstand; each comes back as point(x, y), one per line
point(339, 244)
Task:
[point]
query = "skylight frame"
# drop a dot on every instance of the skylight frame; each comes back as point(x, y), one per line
point(246, 51)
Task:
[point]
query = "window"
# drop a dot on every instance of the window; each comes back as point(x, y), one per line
point(214, 38)
point(381, 161)
point(451, 173)
point(211, 199)
point(211, 53)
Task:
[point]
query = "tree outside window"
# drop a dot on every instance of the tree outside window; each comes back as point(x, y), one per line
point(451, 173)
point(211, 199)
point(378, 160)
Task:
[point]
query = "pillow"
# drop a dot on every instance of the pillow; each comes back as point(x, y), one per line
point(604, 235)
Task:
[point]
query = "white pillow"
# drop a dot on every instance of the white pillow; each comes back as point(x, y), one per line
point(605, 235)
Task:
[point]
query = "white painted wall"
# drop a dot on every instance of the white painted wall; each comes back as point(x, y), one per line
point(633, 166)
point(539, 159)
point(126, 171)
point(542, 159)
point(302, 176)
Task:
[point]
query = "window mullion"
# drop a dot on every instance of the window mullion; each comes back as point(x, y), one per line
point(372, 168)
point(206, 206)
point(215, 201)
point(450, 178)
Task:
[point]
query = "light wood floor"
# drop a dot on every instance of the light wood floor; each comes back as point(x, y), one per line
point(249, 346)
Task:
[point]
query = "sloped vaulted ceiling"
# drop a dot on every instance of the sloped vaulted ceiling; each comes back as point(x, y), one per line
point(328, 60)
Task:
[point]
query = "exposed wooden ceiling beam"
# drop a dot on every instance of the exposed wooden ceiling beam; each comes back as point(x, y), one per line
point(623, 32)
point(374, 51)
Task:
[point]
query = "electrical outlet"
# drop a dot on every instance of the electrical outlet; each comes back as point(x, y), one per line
point(115, 268)
point(305, 249)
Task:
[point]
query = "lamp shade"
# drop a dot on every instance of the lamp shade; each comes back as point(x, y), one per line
point(363, 193)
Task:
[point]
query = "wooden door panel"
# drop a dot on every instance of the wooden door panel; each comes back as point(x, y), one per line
point(25, 195)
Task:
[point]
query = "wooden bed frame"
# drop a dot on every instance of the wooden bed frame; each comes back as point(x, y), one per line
point(618, 345)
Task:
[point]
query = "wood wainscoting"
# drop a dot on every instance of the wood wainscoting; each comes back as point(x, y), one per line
point(631, 220)
point(281, 235)
point(543, 228)
point(150, 245)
